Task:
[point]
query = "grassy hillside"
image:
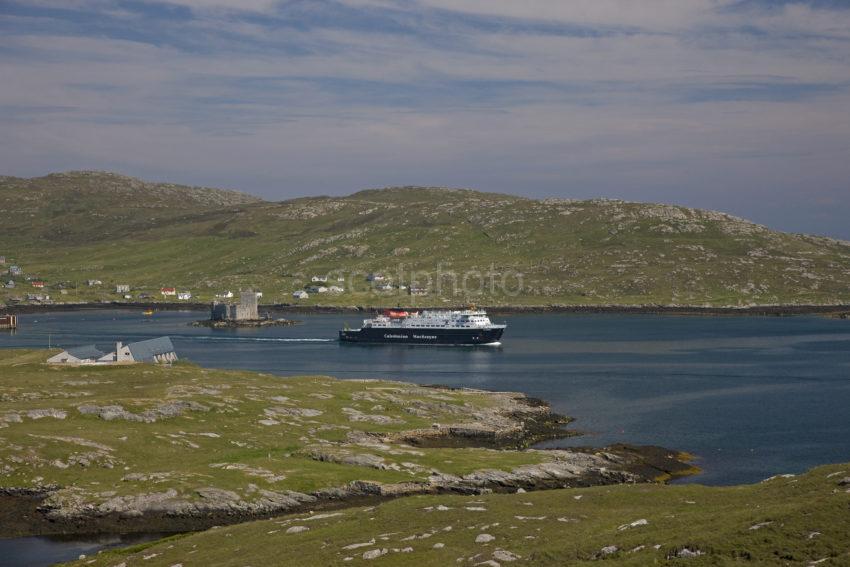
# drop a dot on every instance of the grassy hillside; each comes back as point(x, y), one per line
point(801, 521)
point(108, 432)
point(462, 245)
point(146, 447)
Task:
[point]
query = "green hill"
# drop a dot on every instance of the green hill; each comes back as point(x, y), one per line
point(461, 245)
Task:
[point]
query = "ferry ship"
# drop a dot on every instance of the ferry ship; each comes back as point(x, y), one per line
point(430, 327)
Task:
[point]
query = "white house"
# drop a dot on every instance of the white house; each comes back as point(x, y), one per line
point(259, 294)
point(340, 279)
point(184, 295)
point(317, 289)
point(335, 289)
point(225, 295)
point(92, 283)
point(122, 288)
point(319, 279)
point(88, 354)
point(384, 287)
point(158, 350)
point(375, 278)
point(300, 294)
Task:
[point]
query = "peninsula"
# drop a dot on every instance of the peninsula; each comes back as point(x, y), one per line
point(101, 449)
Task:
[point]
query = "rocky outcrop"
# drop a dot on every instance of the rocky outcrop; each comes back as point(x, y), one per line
point(230, 324)
point(65, 510)
point(162, 411)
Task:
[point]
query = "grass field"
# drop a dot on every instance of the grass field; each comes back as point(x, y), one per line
point(110, 437)
point(463, 246)
point(803, 520)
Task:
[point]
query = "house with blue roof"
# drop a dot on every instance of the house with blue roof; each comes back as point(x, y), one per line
point(158, 350)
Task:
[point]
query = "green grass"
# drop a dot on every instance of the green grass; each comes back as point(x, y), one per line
point(91, 457)
point(121, 230)
point(783, 521)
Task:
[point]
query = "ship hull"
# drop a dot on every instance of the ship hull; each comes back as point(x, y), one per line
point(422, 336)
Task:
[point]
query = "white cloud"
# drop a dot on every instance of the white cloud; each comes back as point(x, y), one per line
point(690, 107)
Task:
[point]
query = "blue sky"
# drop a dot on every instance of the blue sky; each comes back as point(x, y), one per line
point(736, 105)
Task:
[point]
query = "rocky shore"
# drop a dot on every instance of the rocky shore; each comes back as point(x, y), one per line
point(170, 449)
point(251, 323)
point(49, 510)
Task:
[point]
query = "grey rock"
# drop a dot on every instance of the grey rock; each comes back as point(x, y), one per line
point(608, 550)
point(505, 555)
point(374, 553)
point(50, 412)
point(297, 529)
point(688, 553)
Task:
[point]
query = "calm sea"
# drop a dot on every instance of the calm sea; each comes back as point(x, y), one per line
point(750, 396)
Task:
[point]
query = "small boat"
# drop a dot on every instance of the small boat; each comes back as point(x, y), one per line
point(147, 312)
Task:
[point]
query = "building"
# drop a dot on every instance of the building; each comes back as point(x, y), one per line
point(8, 321)
point(16, 271)
point(10, 284)
point(168, 291)
point(184, 295)
point(375, 278)
point(158, 350)
point(121, 288)
point(416, 290)
point(92, 283)
point(245, 310)
point(38, 283)
point(335, 289)
point(224, 295)
point(2, 260)
point(88, 354)
point(319, 279)
point(384, 287)
point(38, 297)
point(300, 294)
point(317, 289)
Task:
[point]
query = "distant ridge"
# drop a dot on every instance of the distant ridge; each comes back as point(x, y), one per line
point(76, 226)
point(100, 181)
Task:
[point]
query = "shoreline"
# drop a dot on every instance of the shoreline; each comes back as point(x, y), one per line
point(46, 509)
point(776, 310)
point(26, 512)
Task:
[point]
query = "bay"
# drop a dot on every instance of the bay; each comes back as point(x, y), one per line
point(749, 396)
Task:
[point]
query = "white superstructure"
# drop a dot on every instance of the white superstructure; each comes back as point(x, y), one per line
point(401, 319)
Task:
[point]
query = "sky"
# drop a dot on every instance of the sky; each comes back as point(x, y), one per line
point(734, 105)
